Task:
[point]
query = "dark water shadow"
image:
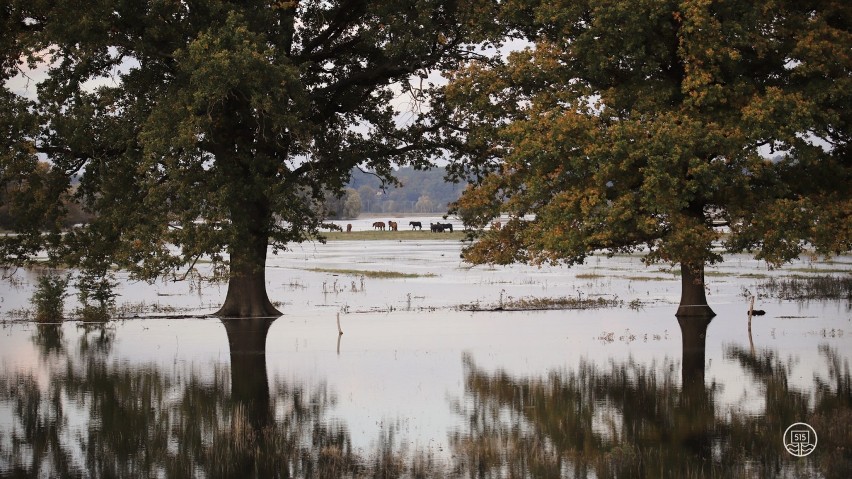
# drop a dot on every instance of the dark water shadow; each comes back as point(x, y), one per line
point(148, 420)
point(636, 420)
point(105, 418)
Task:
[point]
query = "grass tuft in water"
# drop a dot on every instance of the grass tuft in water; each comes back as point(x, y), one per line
point(371, 274)
point(538, 304)
point(808, 288)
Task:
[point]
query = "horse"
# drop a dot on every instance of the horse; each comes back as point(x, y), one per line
point(349, 228)
point(447, 226)
point(436, 227)
point(379, 225)
point(416, 225)
point(392, 226)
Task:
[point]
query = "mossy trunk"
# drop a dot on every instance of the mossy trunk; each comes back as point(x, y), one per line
point(693, 300)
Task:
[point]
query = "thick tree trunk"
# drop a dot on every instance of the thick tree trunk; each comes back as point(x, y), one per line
point(247, 296)
point(693, 301)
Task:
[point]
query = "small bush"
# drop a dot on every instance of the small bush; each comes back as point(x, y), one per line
point(49, 297)
point(95, 292)
point(93, 314)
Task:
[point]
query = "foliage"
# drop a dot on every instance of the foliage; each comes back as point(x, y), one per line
point(413, 191)
point(207, 129)
point(95, 292)
point(345, 206)
point(49, 297)
point(626, 125)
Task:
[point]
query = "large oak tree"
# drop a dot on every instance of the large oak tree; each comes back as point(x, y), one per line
point(628, 125)
point(206, 129)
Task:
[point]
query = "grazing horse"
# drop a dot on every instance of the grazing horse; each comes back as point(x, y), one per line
point(447, 226)
point(436, 227)
point(416, 225)
point(349, 228)
point(379, 225)
point(392, 226)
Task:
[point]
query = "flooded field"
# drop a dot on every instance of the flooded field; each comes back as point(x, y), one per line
point(434, 374)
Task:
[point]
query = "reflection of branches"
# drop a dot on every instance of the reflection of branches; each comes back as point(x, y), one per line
point(630, 420)
point(830, 414)
point(136, 416)
point(49, 339)
point(623, 421)
point(144, 421)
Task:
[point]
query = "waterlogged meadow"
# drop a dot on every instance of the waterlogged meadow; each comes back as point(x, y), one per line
point(441, 370)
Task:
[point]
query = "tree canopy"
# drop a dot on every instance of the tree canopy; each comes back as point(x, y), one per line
point(629, 125)
point(207, 128)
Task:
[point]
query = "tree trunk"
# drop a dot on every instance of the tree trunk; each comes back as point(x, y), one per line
point(247, 296)
point(693, 301)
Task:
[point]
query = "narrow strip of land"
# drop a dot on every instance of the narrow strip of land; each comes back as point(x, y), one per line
point(406, 235)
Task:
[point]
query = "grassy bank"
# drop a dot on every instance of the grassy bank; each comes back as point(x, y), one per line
point(404, 235)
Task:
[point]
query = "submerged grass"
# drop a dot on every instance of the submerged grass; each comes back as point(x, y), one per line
point(808, 288)
point(541, 304)
point(371, 274)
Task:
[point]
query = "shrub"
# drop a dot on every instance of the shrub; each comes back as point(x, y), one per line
point(95, 292)
point(49, 297)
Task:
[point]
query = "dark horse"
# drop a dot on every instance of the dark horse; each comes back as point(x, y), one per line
point(416, 225)
point(440, 227)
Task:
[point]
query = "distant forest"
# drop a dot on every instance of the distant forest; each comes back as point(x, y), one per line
point(421, 191)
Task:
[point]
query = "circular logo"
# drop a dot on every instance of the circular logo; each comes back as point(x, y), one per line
point(800, 439)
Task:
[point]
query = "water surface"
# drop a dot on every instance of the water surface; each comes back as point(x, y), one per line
point(417, 385)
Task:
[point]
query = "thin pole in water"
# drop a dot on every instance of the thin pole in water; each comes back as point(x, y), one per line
point(750, 311)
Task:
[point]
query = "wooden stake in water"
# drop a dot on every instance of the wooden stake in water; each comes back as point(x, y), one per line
point(750, 311)
point(340, 331)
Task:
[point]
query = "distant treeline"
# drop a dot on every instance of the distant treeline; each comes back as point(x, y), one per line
point(421, 191)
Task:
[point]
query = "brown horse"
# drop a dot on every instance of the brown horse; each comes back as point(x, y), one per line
point(379, 225)
point(392, 226)
point(349, 228)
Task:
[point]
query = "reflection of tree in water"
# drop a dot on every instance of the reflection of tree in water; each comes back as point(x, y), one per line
point(49, 339)
point(149, 421)
point(634, 420)
point(105, 418)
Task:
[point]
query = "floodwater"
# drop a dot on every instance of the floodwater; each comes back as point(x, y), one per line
point(420, 385)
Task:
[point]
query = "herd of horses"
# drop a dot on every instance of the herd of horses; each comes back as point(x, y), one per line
point(415, 225)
